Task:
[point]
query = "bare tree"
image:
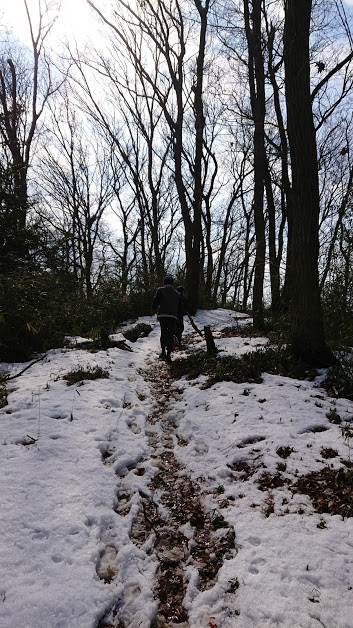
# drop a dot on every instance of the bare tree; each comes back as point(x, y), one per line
point(24, 92)
point(165, 27)
point(78, 185)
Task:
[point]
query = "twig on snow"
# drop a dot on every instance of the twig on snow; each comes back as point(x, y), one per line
point(26, 368)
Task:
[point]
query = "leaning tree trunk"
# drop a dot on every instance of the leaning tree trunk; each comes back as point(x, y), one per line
point(307, 332)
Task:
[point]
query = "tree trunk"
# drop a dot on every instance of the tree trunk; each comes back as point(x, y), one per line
point(246, 282)
point(208, 246)
point(286, 185)
point(257, 97)
point(274, 266)
point(341, 213)
point(193, 263)
point(224, 244)
point(307, 332)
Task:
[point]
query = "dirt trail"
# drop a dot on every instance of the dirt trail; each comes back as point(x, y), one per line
point(185, 534)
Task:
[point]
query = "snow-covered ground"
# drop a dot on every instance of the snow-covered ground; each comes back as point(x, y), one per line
point(62, 497)
point(57, 496)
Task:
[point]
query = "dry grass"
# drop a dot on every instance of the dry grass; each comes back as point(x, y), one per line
point(247, 368)
point(80, 374)
point(241, 331)
point(330, 490)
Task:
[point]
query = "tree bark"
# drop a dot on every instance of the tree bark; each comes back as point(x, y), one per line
point(307, 331)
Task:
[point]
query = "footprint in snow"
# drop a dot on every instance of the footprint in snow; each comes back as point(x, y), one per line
point(106, 452)
point(254, 540)
point(132, 425)
point(73, 530)
point(138, 412)
point(123, 504)
point(314, 429)
point(201, 448)
point(111, 403)
point(40, 535)
point(253, 568)
point(250, 441)
point(140, 471)
point(123, 467)
point(106, 565)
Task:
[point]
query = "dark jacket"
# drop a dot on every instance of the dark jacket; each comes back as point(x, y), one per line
point(167, 302)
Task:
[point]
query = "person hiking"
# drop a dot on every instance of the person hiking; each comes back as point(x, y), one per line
point(182, 311)
point(167, 304)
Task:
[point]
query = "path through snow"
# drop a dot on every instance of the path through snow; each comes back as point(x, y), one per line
point(188, 543)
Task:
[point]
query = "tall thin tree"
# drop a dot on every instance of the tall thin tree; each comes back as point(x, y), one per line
point(257, 98)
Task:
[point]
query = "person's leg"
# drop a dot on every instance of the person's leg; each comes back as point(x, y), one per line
point(170, 333)
point(164, 336)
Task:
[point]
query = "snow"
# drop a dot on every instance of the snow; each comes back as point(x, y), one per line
point(283, 560)
point(75, 340)
point(70, 462)
point(57, 495)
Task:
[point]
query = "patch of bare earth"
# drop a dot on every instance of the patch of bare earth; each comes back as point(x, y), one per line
point(330, 490)
point(212, 539)
point(240, 331)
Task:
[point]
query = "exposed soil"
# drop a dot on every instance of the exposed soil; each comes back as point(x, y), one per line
point(330, 490)
point(328, 452)
point(271, 480)
point(244, 469)
point(284, 452)
point(241, 331)
point(182, 498)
